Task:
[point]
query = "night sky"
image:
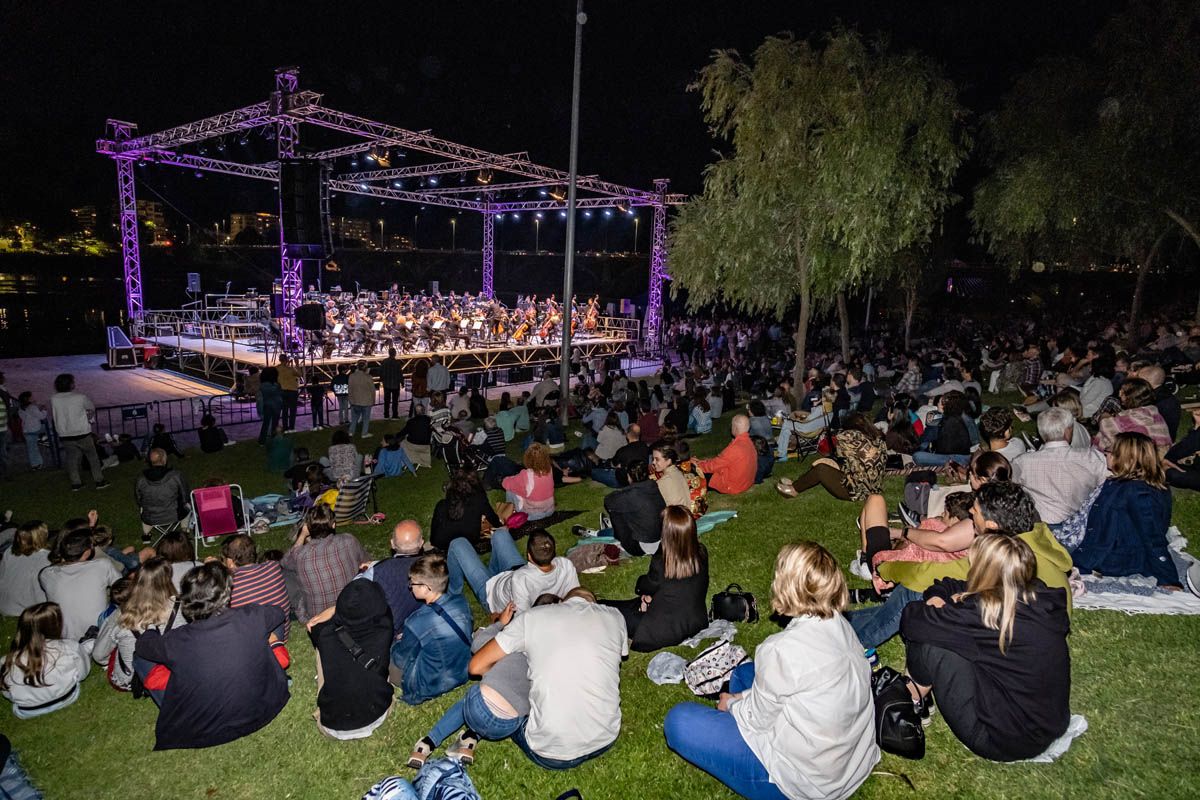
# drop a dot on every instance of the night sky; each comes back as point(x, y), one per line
point(494, 75)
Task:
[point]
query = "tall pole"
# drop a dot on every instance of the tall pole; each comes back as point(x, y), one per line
point(131, 253)
point(564, 374)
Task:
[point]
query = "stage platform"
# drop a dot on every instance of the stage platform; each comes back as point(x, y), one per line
point(105, 387)
point(220, 360)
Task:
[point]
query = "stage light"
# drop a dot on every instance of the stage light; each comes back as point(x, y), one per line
point(608, 212)
point(562, 215)
point(433, 181)
point(362, 186)
point(623, 208)
point(516, 215)
point(371, 157)
point(541, 192)
point(484, 176)
point(540, 215)
point(558, 193)
point(500, 216)
point(398, 184)
point(587, 214)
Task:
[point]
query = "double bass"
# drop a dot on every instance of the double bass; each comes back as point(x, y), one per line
point(590, 318)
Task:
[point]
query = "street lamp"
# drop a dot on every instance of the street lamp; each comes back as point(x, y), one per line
point(453, 234)
point(537, 232)
point(382, 246)
point(414, 238)
point(635, 233)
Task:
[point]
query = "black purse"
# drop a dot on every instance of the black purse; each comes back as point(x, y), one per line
point(897, 724)
point(734, 605)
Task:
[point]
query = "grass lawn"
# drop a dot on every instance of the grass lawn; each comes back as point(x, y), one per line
point(1131, 677)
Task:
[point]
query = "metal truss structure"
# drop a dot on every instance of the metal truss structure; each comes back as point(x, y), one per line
point(496, 183)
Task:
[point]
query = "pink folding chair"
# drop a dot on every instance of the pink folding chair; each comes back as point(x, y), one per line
point(213, 512)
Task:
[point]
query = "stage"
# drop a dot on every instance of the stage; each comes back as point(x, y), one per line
point(218, 352)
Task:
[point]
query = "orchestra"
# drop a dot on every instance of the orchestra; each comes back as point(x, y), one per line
point(367, 323)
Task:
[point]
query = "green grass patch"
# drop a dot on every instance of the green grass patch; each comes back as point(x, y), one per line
point(1131, 677)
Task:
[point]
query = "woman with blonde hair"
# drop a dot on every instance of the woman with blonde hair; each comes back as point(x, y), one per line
point(19, 568)
point(532, 489)
point(1125, 532)
point(149, 603)
point(672, 595)
point(993, 650)
point(798, 721)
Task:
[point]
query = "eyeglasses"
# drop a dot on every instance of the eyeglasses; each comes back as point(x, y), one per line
point(412, 585)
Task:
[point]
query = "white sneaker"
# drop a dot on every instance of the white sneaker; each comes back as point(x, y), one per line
point(1191, 578)
point(858, 569)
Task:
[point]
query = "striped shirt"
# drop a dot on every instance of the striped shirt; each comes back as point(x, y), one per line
point(262, 585)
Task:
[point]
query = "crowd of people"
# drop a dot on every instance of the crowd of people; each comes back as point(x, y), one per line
point(975, 570)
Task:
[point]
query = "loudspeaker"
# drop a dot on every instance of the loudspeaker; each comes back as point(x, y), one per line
point(193, 283)
point(433, 287)
point(277, 300)
point(310, 317)
point(300, 208)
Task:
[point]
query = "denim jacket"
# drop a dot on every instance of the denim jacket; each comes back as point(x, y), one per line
point(432, 656)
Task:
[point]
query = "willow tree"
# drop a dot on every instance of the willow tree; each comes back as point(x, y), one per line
point(839, 155)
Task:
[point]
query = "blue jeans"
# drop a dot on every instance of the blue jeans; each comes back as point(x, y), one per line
point(464, 563)
point(553, 763)
point(927, 459)
point(270, 418)
point(31, 449)
point(360, 415)
point(473, 711)
point(877, 624)
point(605, 475)
point(710, 740)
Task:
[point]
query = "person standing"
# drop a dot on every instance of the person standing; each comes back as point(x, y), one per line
point(439, 379)
point(341, 390)
point(420, 383)
point(270, 403)
point(289, 385)
point(72, 412)
point(8, 410)
point(391, 378)
point(316, 399)
point(33, 419)
point(362, 397)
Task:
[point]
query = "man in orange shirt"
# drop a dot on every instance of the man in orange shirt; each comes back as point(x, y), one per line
point(732, 472)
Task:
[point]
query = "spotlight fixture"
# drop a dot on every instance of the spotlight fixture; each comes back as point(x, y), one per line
point(484, 176)
point(433, 181)
point(558, 193)
point(623, 208)
point(608, 212)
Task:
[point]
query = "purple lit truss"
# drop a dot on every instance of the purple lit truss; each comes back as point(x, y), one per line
point(495, 183)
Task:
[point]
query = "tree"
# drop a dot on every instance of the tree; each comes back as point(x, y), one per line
point(841, 155)
point(1099, 156)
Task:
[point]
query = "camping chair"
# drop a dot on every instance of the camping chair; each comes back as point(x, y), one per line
point(214, 513)
point(352, 500)
point(157, 532)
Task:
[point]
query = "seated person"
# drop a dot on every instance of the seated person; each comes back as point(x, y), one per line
point(489, 440)
point(1139, 415)
point(951, 439)
point(993, 650)
point(149, 601)
point(634, 514)
point(20, 567)
point(1182, 466)
point(1125, 532)
point(77, 580)
point(996, 434)
point(574, 644)
point(321, 562)
point(226, 680)
point(212, 437)
point(162, 496)
point(102, 541)
point(180, 551)
point(430, 658)
point(733, 471)
point(345, 462)
point(353, 693)
point(126, 450)
point(416, 435)
point(694, 477)
point(999, 506)
point(43, 668)
point(760, 423)
point(492, 708)
point(296, 475)
point(509, 578)
point(805, 424)
point(391, 460)
point(1058, 477)
point(672, 602)
point(1069, 399)
point(804, 698)
point(532, 489)
point(633, 450)
point(161, 440)
point(463, 512)
point(855, 472)
point(254, 582)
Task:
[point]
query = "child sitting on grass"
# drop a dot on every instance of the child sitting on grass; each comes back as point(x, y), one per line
point(42, 670)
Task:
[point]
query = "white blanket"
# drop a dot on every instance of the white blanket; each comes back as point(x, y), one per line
point(1138, 595)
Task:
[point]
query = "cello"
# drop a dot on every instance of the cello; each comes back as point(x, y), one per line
point(593, 311)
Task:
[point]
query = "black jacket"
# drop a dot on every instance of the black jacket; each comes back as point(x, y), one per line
point(1168, 405)
point(225, 682)
point(443, 530)
point(953, 437)
point(1022, 696)
point(678, 609)
point(354, 694)
point(418, 430)
point(162, 495)
point(636, 511)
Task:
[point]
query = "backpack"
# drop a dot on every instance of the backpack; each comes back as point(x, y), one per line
point(897, 724)
point(708, 672)
point(917, 486)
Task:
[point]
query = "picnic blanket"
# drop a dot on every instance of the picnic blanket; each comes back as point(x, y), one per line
point(703, 525)
point(1139, 595)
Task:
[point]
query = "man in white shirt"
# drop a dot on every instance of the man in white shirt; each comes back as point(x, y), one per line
point(574, 650)
point(439, 377)
point(80, 584)
point(509, 578)
point(544, 387)
point(72, 412)
point(1058, 477)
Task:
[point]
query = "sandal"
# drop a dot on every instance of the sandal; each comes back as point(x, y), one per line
point(786, 481)
point(464, 748)
point(420, 752)
point(786, 490)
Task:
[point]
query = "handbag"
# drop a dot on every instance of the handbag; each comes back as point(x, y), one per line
point(898, 727)
point(734, 605)
point(708, 672)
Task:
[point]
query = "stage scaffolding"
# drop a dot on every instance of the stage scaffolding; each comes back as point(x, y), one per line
point(496, 186)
